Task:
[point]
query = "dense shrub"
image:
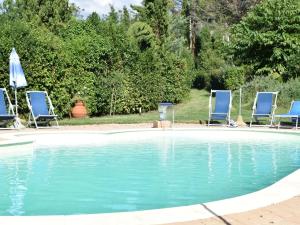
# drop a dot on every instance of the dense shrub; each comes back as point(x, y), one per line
point(287, 91)
point(234, 77)
point(114, 70)
point(42, 58)
point(211, 61)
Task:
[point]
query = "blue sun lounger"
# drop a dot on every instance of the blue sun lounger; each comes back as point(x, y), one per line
point(41, 109)
point(222, 106)
point(293, 113)
point(7, 113)
point(264, 106)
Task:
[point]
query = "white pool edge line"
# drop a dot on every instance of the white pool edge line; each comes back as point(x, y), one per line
point(284, 189)
point(18, 137)
point(20, 133)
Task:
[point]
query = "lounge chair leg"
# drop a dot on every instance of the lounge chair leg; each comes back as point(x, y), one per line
point(58, 125)
point(29, 120)
point(271, 121)
point(36, 126)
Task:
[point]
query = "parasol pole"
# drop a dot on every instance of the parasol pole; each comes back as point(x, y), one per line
point(18, 123)
point(16, 100)
point(240, 109)
point(239, 120)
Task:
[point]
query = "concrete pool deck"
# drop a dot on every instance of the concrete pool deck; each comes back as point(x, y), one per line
point(283, 213)
point(277, 204)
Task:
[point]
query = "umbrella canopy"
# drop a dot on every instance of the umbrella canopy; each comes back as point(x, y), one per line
point(16, 78)
point(16, 74)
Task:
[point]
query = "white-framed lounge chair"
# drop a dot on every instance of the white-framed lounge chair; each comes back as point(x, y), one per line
point(7, 113)
point(264, 107)
point(41, 109)
point(222, 106)
point(293, 113)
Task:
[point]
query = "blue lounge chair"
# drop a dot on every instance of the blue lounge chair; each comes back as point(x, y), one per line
point(7, 113)
point(293, 113)
point(41, 109)
point(264, 106)
point(222, 106)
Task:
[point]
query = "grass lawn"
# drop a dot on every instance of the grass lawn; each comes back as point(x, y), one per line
point(192, 110)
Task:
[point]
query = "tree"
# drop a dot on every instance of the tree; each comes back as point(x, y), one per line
point(189, 9)
point(156, 14)
point(268, 37)
point(125, 18)
point(234, 10)
point(93, 19)
point(51, 13)
point(141, 34)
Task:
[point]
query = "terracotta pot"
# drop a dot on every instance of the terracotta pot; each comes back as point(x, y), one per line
point(79, 110)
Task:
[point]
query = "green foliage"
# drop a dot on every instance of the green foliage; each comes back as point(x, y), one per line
point(234, 77)
point(211, 61)
point(288, 91)
point(156, 14)
point(268, 38)
point(212, 69)
point(141, 34)
point(125, 18)
point(220, 11)
point(42, 58)
point(50, 13)
point(114, 65)
point(293, 66)
point(234, 10)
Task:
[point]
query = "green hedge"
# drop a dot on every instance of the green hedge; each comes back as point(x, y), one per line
point(98, 63)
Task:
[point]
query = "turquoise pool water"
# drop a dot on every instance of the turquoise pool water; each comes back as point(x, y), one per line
point(141, 170)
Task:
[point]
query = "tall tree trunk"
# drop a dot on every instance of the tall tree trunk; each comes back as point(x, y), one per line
point(192, 27)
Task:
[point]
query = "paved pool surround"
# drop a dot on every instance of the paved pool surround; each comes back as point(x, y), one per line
point(16, 142)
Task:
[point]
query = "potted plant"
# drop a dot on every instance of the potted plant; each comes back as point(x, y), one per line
point(79, 109)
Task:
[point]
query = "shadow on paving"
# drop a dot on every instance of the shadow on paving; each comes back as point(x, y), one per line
point(216, 215)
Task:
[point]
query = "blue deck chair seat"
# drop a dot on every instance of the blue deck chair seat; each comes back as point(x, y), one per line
point(41, 108)
point(222, 106)
point(6, 109)
point(264, 106)
point(293, 113)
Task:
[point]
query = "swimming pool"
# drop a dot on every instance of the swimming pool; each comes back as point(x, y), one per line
point(132, 171)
